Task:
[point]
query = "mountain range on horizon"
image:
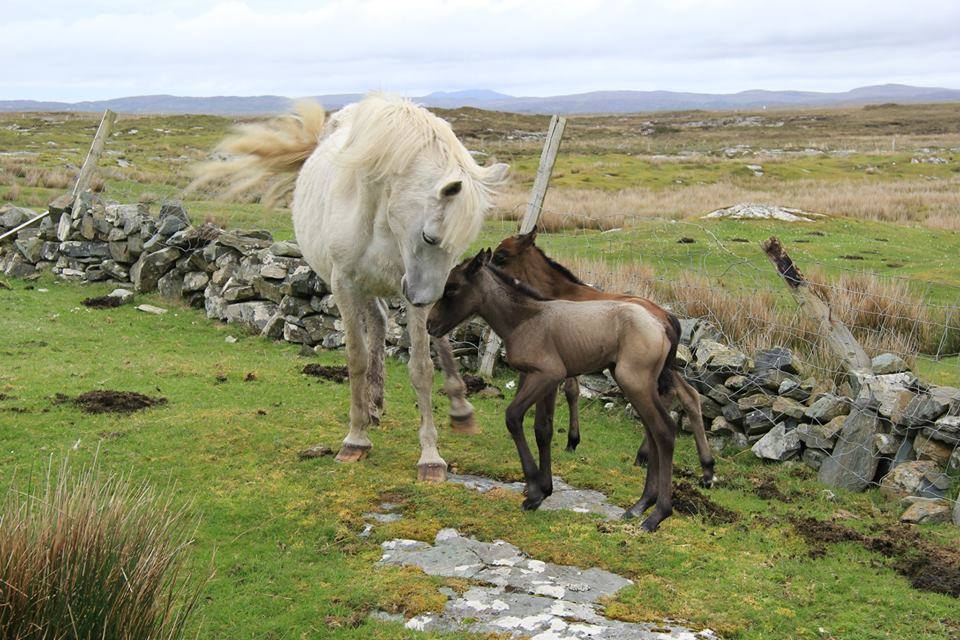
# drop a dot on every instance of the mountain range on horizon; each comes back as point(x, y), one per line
point(623, 101)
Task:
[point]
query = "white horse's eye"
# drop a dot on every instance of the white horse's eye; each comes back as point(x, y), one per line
point(428, 239)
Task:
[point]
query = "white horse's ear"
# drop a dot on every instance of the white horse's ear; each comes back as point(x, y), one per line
point(450, 189)
point(496, 174)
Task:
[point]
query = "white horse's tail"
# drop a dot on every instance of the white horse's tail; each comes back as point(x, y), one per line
point(264, 155)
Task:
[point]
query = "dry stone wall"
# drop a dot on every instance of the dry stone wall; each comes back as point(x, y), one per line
point(885, 427)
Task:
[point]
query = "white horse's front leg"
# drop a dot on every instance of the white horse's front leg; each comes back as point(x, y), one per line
point(431, 466)
point(461, 411)
point(356, 445)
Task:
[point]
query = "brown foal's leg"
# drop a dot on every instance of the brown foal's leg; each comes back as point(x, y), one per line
point(533, 388)
point(642, 392)
point(461, 411)
point(668, 399)
point(571, 389)
point(690, 401)
point(543, 428)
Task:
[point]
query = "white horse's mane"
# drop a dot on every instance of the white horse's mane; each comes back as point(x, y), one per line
point(388, 133)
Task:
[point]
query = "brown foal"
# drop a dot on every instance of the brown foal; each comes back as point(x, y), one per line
point(520, 257)
point(552, 340)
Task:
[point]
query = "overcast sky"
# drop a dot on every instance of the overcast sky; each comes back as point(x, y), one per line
point(93, 49)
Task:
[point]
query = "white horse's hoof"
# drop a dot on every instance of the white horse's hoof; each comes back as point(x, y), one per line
point(465, 425)
point(432, 472)
point(353, 452)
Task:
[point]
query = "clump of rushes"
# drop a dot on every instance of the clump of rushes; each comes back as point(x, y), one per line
point(89, 555)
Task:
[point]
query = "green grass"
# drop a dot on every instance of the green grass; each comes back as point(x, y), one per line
point(280, 533)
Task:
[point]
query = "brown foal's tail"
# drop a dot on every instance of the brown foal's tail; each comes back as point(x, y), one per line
point(665, 380)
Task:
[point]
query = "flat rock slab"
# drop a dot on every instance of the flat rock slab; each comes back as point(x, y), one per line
point(564, 498)
point(527, 597)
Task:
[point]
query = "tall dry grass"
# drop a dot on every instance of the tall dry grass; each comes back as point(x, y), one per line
point(883, 314)
point(935, 204)
point(85, 555)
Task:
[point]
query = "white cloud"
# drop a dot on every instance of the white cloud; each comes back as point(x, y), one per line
point(103, 48)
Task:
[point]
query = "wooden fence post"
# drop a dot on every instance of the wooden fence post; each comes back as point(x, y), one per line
point(86, 171)
point(838, 336)
point(96, 150)
point(531, 217)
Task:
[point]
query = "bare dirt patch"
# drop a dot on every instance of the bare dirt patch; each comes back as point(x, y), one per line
point(927, 566)
point(101, 302)
point(768, 490)
point(336, 374)
point(108, 401)
point(689, 501)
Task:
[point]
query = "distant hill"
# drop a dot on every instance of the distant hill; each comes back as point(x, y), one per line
point(592, 102)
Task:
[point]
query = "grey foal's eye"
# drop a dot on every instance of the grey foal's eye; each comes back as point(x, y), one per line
point(428, 239)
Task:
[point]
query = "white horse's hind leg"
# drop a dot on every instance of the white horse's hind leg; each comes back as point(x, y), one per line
point(431, 466)
point(461, 411)
point(356, 445)
point(376, 325)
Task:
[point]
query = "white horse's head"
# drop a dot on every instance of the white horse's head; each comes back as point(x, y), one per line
point(435, 215)
point(436, 195)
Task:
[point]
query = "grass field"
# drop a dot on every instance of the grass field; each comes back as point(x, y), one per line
point(279, 534)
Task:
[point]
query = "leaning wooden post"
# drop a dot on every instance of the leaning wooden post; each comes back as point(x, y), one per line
point(86, 171)
point(838, 336)
point(530, 219)
point(96, 150)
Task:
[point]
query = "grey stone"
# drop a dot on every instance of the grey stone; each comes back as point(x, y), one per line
point(114, 270)
point(756, 401)
point(147, 271)
point(149, 308)
point(956, 511)
point(758, 422)
point(526, 598)
point(236, 291)
point(170, 225)
point(883, 391)
point(946, 429)
point(273, 329)
point(827, 407)
point(926, 511)
point(733, 414)
point(302, 282)
point(12, 216)
point(267, 289)
point(30, 248)
point(81, 249)
point(334, 340)
point(720, 426)
point(714, 355)
point(49, 251)
point(821, 436)
point(779, 358)
point(195, 281)
point(888, 363)
point(564, 498)
point(18, 267)
point(916, 478)
point(853, 463)
point(814, 458)
point(170, 285)
point(886, 444)
point(64, 227)
point(929, 449)
point(125, 295)
point(288, 249)
point(255, 315)
point(778, 444)
point(785, 407)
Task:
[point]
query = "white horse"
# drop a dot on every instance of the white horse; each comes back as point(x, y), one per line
point(384, 202)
